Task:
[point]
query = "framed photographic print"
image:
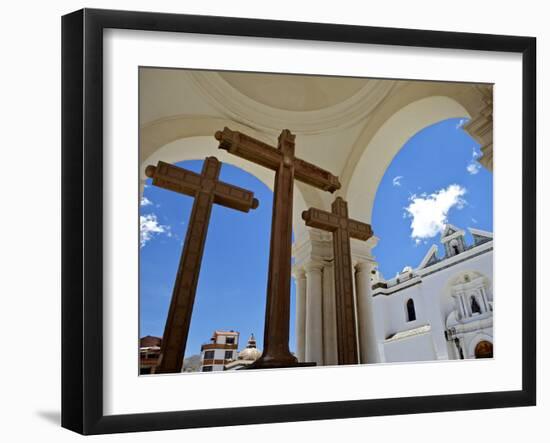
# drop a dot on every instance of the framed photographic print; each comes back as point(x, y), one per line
point(269, 221)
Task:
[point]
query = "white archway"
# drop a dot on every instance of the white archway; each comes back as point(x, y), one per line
point(387, 142)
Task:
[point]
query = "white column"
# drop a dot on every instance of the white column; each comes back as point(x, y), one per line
point(314, 312)
point(330, 342)
point(366, 333)
point(484, 298)
point(460, 304)
point(300, 277)
point(356, 304)
point(466, 303)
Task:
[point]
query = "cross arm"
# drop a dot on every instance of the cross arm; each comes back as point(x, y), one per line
point(327, 221)
point(189, 183)
point(234, 197)
point(249, 148)
point(359, 230)
point(175, 179)
point(315, 176)
point(317, 218)
point(265, 155)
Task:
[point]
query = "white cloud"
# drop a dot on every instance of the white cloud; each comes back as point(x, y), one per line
point(429, 212)
point(473, 167)
point(150, 227)
point(397, 180)
point(461, 123)
point(145, 201)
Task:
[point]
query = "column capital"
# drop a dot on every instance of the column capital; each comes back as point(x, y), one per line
point(313, 266)
point(363, 265)
point(298, 272)
point(362, 250)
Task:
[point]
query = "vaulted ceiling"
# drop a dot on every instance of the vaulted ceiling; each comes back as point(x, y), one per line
point(349, 126)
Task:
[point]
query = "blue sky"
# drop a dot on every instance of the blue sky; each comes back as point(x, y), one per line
point(444, 184)
point(232, 285)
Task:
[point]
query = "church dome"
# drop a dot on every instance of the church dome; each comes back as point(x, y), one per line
point(250, 352)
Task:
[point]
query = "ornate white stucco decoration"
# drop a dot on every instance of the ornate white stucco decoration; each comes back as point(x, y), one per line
point(409, 333)
point(480, 126)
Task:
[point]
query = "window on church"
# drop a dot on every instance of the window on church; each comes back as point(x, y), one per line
point(209, 355)
point(207, 369)
point(230, 340)
point(411, 313)
point(228, 355)
point(475, 305)
point(454, 247)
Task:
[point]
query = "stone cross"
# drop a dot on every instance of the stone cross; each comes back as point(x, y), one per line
point(206, 190)
point(287, 167)
point(342, 229)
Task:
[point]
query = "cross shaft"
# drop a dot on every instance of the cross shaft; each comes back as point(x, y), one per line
point(287, 167)
point(206, 190)
point(343, 228)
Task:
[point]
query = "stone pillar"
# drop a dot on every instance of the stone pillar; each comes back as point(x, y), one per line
point(314, 312)
point(330, 340)
point(356, 303)
point(300, 277)
point(369, 324)
point(367, 339)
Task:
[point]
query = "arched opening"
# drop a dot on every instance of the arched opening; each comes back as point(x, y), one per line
point(386, 144)
point(474, 305)
point(411, 312)
point(484, 349)
point(454, 247)
point(426, 186)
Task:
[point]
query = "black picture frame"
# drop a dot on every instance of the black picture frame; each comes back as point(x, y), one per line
point(82, 232)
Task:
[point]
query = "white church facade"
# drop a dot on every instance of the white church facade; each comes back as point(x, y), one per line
point(441, 310)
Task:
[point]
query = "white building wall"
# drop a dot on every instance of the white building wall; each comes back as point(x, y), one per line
point(417, 348)
point(431, 292)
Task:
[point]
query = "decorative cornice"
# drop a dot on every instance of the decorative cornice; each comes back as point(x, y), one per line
point(454, 260)
point(410, 333)
point(313, 266)
point(363, 266)
point(298, 272)
point(314, 244)
point(458, 329)
point(480, 126)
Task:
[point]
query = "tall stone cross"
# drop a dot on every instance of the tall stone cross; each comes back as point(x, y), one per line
point(207, 190)
point(342, 229)
point(276, 353)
